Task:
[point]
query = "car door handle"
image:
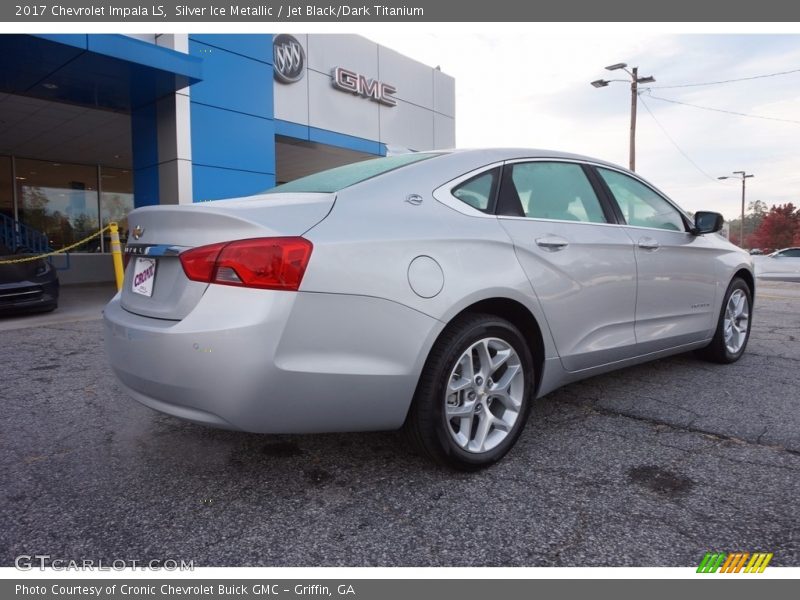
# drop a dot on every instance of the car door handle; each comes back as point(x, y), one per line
point(648, 243)
point(552, 243)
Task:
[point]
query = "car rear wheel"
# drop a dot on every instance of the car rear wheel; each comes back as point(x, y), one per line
point(473, 397)
point(733, 328)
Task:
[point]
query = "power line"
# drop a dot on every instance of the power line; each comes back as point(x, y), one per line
point(685, 85)
point(677, 147)
point(722, 110)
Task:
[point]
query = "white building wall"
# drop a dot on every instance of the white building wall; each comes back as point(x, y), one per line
point(423, 119)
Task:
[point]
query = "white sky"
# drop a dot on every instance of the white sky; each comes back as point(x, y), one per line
point(531, 89)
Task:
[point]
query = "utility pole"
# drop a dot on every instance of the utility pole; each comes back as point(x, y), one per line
point(744, 177)
point(634, 103)
point(635, 81)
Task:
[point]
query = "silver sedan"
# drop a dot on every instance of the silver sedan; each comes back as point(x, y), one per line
point(440, 292)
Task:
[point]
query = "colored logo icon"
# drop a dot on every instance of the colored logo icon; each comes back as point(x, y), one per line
point(734, 562)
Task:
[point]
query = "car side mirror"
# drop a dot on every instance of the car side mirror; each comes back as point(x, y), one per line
point(707, 222)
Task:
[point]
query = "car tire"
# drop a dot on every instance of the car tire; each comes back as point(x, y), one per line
point(728, 345)
point(469, 411)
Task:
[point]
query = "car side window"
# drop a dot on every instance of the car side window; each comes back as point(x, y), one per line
point(550, 190)
point(791, 253)
point(640, 205)
point(479, 191)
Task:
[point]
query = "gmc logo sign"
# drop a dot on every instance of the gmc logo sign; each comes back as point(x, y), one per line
point(377, 91)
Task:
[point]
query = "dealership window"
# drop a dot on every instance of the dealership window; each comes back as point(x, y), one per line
point(67, 202)
point(60, 200)
point(116, 200)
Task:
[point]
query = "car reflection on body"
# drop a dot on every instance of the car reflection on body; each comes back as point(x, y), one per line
point(437, 292)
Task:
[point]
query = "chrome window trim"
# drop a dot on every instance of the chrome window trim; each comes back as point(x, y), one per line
point(540, 220)
point(512, 218)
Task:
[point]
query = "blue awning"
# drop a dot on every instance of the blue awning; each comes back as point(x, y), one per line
point(114, 72)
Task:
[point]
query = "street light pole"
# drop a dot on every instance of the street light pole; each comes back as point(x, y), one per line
point(635, 81)
point(744, 177)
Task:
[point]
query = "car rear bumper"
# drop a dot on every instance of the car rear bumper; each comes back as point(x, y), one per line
point(274, 362)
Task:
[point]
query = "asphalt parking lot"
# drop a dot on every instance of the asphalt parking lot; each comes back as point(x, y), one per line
point(651, 466)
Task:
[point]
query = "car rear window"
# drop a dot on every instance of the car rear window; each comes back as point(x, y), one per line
point(339, 178)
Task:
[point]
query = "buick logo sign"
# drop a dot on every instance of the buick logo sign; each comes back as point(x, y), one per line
point(289, 58)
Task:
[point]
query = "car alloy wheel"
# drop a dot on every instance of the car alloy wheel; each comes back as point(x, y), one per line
point(472, 399)
point(483, 398)
point(733, 325)
point(736, 321)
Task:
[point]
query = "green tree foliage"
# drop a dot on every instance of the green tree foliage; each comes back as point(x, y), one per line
point(756, 211)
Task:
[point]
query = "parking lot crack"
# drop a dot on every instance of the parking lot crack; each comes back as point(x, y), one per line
point(691, 429)
point(773, 357)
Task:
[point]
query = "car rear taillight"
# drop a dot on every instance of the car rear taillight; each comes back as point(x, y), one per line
point(268, 263)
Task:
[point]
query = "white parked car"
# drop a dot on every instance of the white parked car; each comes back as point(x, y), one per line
point(781, 265)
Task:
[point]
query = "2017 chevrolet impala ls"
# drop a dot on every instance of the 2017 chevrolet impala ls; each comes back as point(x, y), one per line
point(440, 292)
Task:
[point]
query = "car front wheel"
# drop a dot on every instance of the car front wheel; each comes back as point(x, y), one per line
point(733, 328)
point(473, 397)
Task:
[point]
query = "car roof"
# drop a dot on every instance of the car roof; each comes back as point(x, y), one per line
point(515, 153)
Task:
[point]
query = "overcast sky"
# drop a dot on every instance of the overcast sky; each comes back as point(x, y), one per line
point(532, 90)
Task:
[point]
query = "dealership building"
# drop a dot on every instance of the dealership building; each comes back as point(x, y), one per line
point(92, 126)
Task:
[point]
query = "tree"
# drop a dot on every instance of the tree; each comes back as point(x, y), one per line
point(779, 228)
point(758, 208)
point(756, 211)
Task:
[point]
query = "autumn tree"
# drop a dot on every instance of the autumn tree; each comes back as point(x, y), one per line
point(779, 228)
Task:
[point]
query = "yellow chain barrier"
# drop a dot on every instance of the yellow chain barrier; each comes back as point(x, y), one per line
point(61, 250)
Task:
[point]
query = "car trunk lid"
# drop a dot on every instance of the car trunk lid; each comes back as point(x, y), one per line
point(163, 232)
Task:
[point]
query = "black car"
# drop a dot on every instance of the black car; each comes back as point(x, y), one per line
point(30, 286)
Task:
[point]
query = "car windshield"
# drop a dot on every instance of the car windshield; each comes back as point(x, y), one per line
point(339, 178)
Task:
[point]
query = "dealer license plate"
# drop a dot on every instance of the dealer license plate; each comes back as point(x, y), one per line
point(144, 274)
